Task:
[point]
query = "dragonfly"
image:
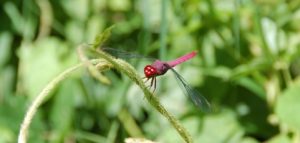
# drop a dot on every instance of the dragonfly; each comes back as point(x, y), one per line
point(159, 68)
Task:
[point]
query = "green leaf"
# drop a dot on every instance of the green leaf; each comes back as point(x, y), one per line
point(269, 28)
point(120, 5)
point(288, 107)
point(13, 13)
point(248, 140)
point(78, 10)
point(280, 139)
point(102, 37)
point(5, 44)
point(207, 129)
point(74, 31)
point(42, 61)
point(7, 75)
point(225, 120)
point(23, 24)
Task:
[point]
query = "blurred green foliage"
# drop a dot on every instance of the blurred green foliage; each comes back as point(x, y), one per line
point(248, 67)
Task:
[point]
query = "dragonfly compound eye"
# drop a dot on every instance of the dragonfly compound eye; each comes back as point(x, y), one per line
point(150, 71)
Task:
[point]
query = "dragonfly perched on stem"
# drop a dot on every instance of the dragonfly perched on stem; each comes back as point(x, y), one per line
point(158, 68)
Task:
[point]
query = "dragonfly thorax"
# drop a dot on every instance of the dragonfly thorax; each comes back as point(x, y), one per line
point(155, 69)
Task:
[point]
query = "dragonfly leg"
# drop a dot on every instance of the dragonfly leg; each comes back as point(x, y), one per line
point(152, 79)
point(154, 84)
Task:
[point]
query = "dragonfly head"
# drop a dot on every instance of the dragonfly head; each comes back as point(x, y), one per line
point(150, 71)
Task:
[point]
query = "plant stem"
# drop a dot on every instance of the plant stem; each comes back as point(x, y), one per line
point(126, 68)
point(44, 94)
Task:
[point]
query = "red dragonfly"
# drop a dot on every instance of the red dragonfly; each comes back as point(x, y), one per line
point(158, 68)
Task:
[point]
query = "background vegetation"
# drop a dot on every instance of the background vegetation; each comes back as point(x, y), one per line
point(248, 67)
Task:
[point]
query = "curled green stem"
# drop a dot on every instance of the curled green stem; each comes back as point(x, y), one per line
point(45, 93)
point(91, 68)
point(101, 65)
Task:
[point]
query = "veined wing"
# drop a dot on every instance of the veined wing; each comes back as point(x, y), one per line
point(124, 54)
point(199, 100)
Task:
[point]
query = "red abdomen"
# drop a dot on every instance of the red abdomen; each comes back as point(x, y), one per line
point(182, 59)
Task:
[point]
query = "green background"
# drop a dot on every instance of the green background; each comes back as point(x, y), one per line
point(248, 67)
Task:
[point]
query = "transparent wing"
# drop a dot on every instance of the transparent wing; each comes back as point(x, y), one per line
point(199, 100)
point(124, 54)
